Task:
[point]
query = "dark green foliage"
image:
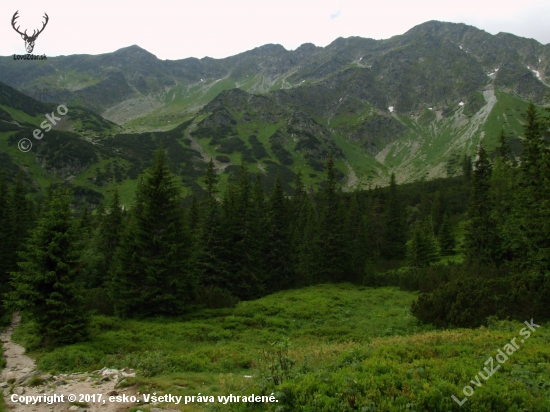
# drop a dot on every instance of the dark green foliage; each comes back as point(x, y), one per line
point(446, 238)
point(422, 248)
point(482, 241)
point(279, 151)
point(14, 98)
point(223, 159)
point(240, 244)
point(394, 237)
point(277, 254)
point(258, 149)
point(8, 127)
point(467, 168)
point(209, 251)
point(45, 286)
point(217, 134)
point(333, 260)
point(503, 149)
point(61, 150)
point(7, 234)
point(235, 144)
point(469, 302)
point(150, 275)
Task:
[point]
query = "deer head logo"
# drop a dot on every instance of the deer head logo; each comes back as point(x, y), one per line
point(29, 40)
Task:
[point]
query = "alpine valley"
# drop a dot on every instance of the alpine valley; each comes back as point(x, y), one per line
point(414, 104)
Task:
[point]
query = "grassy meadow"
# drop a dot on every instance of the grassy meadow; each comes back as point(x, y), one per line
point(322, 348)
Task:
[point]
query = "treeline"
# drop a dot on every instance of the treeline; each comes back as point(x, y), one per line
point(167, 256)
point(161, 258)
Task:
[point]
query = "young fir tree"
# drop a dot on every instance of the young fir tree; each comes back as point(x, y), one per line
point(446, 238)
point(394, 237)
point(150, 275)
point(240, 247)
point(481, 242)
point(422, 248)
point(45, 286)
point(277, 256)
point(333, 260)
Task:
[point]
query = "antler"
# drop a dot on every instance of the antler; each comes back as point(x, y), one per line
point(34, 34)
point(15, 16)
point(43, 25)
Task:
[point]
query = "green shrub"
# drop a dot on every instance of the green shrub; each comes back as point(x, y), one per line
point(470, 301)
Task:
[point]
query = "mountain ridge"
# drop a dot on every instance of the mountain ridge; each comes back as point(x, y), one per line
point(413, 104)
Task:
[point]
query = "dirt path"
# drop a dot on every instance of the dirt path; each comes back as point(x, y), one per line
point(20, 378)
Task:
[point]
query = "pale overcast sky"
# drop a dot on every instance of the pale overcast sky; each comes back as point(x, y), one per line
point(176, 29)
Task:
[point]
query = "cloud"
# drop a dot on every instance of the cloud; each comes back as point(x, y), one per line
point(336, 15)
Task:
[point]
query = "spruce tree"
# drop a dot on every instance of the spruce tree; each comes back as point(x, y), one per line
point(422, 248)
point(150, 275)
point(333, 259)
point(307, 244)
point(45, 286)
point(527, 229)
point(394, 238)
point(277, 256)
point(209, 252)
point(503, 149)
point(446, 238)
point(482, 242)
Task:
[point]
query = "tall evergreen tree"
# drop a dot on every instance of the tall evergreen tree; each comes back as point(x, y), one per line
point(446, 238)
point(45, 286)
point(394, 238)
point(333, 260)
point(209, 255)
point(239, 241)
point(482, 242)
point(527, 228)
point(277, 256)
point(150, 275)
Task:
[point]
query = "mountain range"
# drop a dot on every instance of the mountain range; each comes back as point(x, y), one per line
point(413, 104)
